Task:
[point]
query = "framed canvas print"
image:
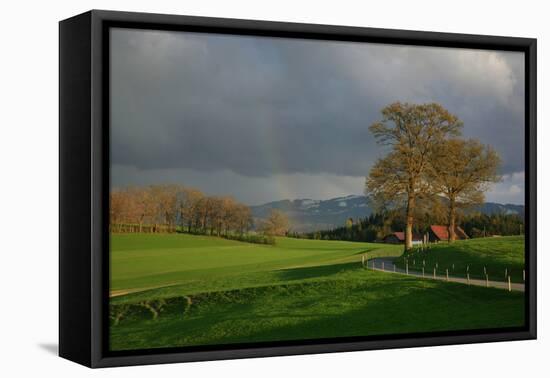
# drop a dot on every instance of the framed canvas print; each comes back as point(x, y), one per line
point(233, 188)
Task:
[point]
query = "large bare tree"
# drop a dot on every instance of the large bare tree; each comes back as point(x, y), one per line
point(142, 206)
point(461, 171)
point(412, 132)
point(118, 205)
point(243, 218)
point(166, 199)
point(276, 224)
point(189, 200)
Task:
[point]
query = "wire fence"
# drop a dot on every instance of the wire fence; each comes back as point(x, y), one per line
point(481, 278)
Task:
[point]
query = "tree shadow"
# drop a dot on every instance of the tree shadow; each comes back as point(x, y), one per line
point(316, 271)
point(309, 311)
point(395, 314)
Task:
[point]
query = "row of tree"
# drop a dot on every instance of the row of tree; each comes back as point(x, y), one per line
point(159, 208)
point(482, 225)
point(427, 160)
point(170, 206)
point(376, 226)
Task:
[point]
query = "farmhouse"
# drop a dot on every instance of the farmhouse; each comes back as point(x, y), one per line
point(441, 233)
point(399, 238)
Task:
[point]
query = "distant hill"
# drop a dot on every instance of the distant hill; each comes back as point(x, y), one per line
point(310, 215)
point(497, 208)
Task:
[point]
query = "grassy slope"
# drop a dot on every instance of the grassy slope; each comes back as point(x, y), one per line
point(191, 264)
point(351, 303)
point(225, 292)
point(495, 254)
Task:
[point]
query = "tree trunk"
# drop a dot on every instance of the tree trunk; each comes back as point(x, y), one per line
point(409, 227)
point(452, 216)
point(182, 222)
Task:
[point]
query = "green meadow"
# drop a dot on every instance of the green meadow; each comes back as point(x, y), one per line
point(495, 256)
point(171, 290)
point(192, 264)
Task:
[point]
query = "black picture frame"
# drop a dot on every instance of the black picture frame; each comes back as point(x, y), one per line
point(84, 185)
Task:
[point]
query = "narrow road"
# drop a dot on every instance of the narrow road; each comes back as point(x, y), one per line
point(386, 265)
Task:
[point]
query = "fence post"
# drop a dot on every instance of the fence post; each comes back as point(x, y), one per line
point(447, 273)
point(509, 284)
point(407, 268)
point(394, 268)
point(434, 273)
point(382, 265)
point(422, 271)
point(486, 280)
point(363, 261)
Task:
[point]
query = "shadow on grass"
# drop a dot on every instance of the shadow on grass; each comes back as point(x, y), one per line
point(389, 317)
point(327, 310)
point(316, 271)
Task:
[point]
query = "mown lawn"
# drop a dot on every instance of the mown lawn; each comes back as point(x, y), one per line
point(193, 290)
point(498, 255)
point(190, 264)
point(352, 303)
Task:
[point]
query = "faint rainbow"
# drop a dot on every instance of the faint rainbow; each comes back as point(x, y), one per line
point(273, 153)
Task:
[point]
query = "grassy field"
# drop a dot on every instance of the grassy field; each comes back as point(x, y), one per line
point(192, 264)
point(498, 256)
point(183, 290)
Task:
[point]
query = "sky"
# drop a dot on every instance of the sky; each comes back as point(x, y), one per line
point(265, 119)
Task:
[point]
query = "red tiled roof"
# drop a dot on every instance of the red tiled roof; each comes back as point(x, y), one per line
point(442, 233)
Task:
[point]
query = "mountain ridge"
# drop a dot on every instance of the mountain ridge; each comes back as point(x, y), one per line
point(307, 214)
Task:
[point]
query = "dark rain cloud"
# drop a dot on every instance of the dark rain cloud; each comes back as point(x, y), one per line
point(264, 106)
